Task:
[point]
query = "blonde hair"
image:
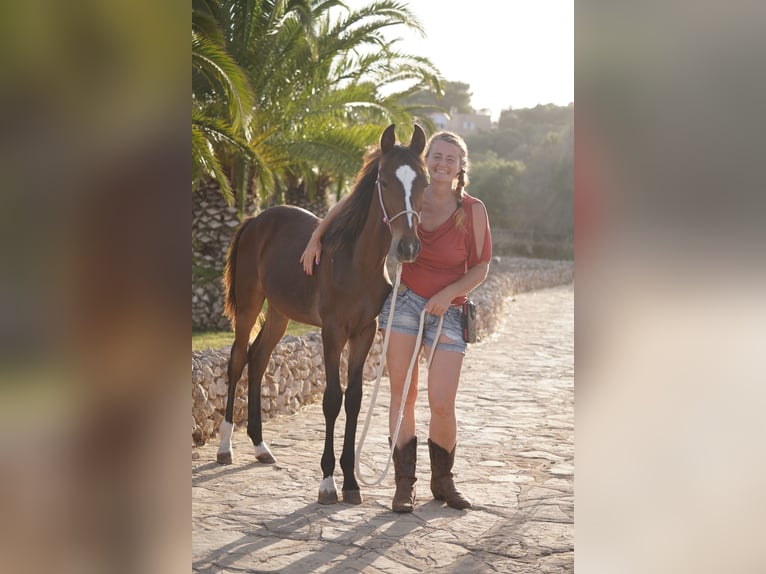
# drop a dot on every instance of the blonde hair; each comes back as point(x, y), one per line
point(462, 174)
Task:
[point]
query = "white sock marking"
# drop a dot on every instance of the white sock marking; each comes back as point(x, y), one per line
point(225, 430)
point(328, 485)
point(262, 449)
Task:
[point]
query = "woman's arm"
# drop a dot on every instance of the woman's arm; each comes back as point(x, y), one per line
point(314, 247)
point(475, 276)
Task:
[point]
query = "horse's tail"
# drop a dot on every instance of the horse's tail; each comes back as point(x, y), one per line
point(229, 275)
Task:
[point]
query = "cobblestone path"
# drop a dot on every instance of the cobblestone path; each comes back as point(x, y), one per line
point(515, 461)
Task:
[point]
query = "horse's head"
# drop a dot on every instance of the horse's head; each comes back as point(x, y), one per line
point(402, 179)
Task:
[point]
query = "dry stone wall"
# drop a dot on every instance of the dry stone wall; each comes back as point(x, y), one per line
point(295, 374)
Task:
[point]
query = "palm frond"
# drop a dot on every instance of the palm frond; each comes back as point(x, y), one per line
point(224, 76)
point(323, 86)
point(205, 162)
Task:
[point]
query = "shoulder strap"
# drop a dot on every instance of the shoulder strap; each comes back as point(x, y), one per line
point(470, 233)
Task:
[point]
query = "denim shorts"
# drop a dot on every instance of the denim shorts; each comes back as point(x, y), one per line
point(407, 312)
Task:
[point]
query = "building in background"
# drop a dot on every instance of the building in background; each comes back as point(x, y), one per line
point(463, 124)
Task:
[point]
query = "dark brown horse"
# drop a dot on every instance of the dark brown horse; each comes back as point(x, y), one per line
point(343, 296)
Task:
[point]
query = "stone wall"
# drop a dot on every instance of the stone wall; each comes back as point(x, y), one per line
point(295, 373)
point(294, 376)
point(532, 244)
point(510, 275)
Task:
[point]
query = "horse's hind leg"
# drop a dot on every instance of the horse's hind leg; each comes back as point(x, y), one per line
point(358, 348)
point(260, 352)
point(245, 319)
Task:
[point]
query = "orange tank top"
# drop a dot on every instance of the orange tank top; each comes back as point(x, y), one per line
point(446, 254)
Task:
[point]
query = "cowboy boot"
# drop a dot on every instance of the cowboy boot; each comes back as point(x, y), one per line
point(404, 475)
point(442, 485)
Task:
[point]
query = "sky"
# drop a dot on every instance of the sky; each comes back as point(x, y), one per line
point(512, 53)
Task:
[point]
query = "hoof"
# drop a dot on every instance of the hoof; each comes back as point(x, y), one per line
point(263, 454)
point(223, 458)
point(326, 497)
point(352, 496)
point(328, 491)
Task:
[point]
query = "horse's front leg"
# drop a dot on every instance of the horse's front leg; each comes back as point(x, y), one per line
point(331, 401)
point(359, 347)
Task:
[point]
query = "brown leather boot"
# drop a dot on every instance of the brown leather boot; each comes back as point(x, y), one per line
point(442, 485)
point(404, 474)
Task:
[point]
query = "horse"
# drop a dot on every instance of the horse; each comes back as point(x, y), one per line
point(343, 296)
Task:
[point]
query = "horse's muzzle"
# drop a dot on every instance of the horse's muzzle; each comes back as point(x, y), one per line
point(407, 249)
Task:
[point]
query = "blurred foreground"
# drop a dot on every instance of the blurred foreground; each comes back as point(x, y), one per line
point(94, 216)
point(670, 307)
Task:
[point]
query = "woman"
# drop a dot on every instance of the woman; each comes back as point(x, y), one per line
point(456, 248)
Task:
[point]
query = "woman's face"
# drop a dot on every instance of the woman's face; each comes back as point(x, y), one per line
point(443, 161)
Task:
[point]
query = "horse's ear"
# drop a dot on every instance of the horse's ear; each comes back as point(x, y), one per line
point(388, 139)
point(418, 141)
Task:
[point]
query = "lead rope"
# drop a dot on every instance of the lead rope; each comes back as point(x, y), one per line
point(407, 382)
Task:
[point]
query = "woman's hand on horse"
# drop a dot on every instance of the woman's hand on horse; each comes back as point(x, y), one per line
point(311, 255)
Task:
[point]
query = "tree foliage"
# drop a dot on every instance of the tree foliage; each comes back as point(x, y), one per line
point(312, 102)
point(456, 97)
point(524, 170)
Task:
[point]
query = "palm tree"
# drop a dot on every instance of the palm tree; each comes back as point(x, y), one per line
point(338, 107)
point(317, 71)
point(286, 95)
point(222, 100)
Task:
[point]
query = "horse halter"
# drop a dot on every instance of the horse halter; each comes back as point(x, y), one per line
point(387, 220)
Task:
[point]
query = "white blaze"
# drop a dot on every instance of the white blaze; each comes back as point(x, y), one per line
point(407, 175)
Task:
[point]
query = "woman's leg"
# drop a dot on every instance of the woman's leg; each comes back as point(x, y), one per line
point(398, 357)
point(443, 379)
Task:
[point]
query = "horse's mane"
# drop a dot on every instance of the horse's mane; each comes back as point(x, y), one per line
point(347, 225)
